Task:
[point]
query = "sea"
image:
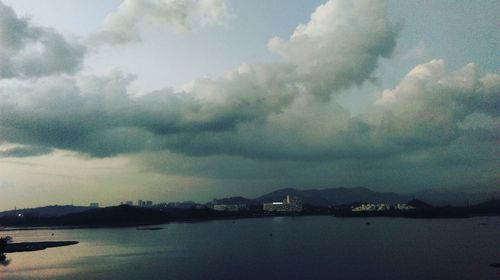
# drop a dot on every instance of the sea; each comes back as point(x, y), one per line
point(301, 247)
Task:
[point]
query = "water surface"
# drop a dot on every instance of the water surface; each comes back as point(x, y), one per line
point(269, 248)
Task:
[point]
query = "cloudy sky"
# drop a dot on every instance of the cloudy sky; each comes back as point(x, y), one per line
point(170, 100)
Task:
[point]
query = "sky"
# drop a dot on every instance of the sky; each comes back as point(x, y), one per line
point(173, 100)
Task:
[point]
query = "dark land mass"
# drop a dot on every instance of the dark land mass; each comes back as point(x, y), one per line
point(487, 207)
point(110, 216)
point(122, 216)
point(149, 228)
point(335, 196)
point(35, 246)
point(454, 197)
point(424, 210)
point(419, 204)
point(47, 211)
point(333, 201)
point(119, 216)
point(329, 197)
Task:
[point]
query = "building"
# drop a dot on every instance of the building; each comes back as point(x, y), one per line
point(369, 207)
point(404, 207)
point(289, 204)
point(144, 203)
point(94, 204)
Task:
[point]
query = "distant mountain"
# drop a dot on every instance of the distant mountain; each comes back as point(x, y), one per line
point(234, 200)
point(487, 207)
point(335, 196)
point(454, 197)
point(47, 211)
point(419, 204)
point(494, 203)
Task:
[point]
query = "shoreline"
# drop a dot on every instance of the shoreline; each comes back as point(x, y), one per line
point(135, 225)
point(36, 246)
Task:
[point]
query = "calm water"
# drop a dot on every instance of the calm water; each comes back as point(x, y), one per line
point(269, 248)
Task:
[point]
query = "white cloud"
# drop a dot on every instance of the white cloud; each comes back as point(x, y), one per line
point(340, 45)
point(125, 25)
point(417, 52)
point(429, 105)
point(28, 50)
point(213, 12)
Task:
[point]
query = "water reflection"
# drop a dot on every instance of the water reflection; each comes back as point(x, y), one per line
point(286, 247)
point(3, 246)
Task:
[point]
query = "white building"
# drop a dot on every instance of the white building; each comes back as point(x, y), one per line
point(372, 207)
point(289, 204)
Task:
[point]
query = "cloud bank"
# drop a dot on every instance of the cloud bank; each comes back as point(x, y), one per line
point(96, 115)
point(263, 120)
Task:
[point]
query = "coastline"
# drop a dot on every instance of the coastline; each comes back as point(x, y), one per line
point(36, 246)
point(239, 217)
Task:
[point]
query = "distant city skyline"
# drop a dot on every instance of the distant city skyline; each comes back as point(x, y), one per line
point(104, 101)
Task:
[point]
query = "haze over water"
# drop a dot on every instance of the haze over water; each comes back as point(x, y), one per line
point(269, 248)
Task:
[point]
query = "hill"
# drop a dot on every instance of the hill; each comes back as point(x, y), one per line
point(122, 215)
point(47, 211)
point(419, 204)
point(454, 197)
point(487, 207)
